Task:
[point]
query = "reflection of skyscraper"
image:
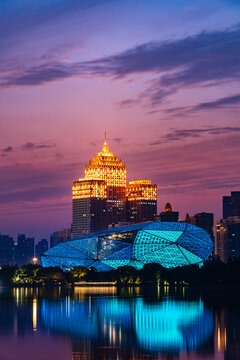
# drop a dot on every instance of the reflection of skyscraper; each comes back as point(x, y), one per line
point(227, 329)
point(141, 201)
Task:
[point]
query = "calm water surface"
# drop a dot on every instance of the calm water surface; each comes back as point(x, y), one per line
point(110, 323)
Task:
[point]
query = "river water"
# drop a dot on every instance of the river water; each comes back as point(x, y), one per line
point(111, 323)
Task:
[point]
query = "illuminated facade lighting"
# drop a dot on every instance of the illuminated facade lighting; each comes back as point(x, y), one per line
point(99, 199)
point(141, 198)
point(103, 198)
point(167, 243)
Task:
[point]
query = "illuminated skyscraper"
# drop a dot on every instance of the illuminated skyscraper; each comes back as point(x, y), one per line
point(221, 241)
point(99, 199)
point(227, 239)
point(141, 201)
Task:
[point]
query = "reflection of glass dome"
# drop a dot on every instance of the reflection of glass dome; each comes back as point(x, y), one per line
point(166, 326)
point(170, 244)
point(69, 317)
point(172, 325)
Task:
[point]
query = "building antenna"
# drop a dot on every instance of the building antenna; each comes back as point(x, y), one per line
point(105, 136)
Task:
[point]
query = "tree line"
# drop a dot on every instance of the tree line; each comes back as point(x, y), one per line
point(214, 273)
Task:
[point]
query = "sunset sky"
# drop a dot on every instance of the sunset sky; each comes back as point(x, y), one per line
point(160, 77)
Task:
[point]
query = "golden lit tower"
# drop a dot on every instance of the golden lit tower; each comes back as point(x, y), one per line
point(141, 201)
point(100, 198)
point(105, 166)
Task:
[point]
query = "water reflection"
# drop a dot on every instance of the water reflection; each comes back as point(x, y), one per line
point(165, 326)
point(172, 326)
point(106, 323)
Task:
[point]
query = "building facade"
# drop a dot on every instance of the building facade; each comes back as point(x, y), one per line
point(7, 250)
point(227, 229)
point(60, 236)
point(231, 205)
point(24, 250)
point(40, 248)
point(166, 243)
point(99, 199)
point(226, 206)
point(205, 221)
point(227, 238)
point(102, 199)
point(168, 215)
point(141, 196)
point(221, 241)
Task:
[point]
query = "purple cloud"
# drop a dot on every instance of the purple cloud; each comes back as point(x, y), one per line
point(7, 149)
point(32, 146)
point(207, 58)
point(181, 134)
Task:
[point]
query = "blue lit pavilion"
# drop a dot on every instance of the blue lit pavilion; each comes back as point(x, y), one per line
point(169, 244)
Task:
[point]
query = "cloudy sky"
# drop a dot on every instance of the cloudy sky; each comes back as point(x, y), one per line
point(161, 77)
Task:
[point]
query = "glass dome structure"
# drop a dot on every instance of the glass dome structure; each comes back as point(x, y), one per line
point(170, 244)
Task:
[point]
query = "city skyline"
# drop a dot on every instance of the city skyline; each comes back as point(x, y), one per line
point(119, 179)
point(159, 210)
point(145, 72)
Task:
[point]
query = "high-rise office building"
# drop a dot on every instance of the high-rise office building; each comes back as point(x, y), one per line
point(168, 215)
point(221, 241)
point(60, 236)
point(6, 250)
point(231, 205)
point(141, 196)
point(226, 206)
point(227, 244)
point(235, 203)
point(227, 238)
point(40, 248)
point(99, 199)
point(202, 220)
point(24, 250)
point(234, 239)
point(89, 206)
point(205, 221)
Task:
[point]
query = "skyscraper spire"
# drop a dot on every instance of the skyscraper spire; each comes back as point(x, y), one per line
point(105, 145)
